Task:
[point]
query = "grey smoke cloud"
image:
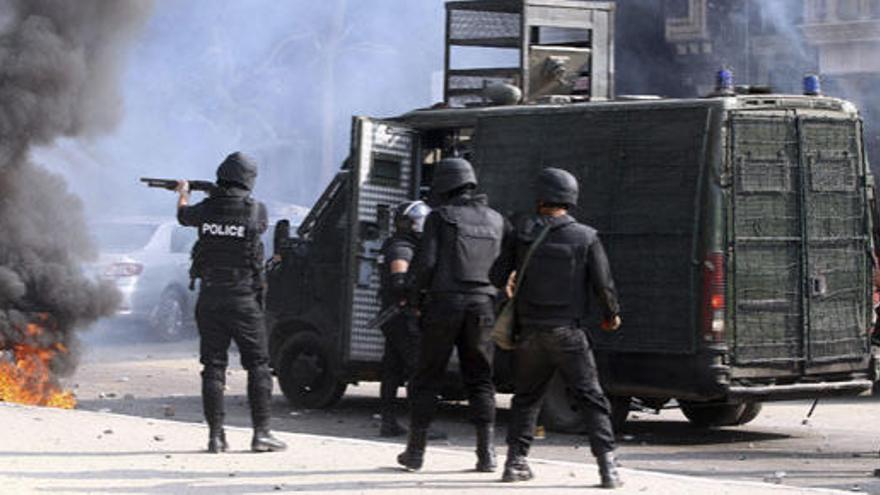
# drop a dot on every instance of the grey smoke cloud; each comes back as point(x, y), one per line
point(59, 66)
point(278, 80)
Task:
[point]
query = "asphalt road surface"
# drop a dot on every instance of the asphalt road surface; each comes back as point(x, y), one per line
point(837, 448)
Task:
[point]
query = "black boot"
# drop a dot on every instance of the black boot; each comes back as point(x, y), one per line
point(259, 395)
point(486, 462)
point(263, 441)
point(213, 381)
point(217, 441)
point(516, 468)
point(413, 457)
point(608, 471)
point(390, 427)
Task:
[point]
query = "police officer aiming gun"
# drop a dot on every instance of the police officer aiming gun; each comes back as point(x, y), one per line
point(567, 263)
point(228, 259)
point(461, 241)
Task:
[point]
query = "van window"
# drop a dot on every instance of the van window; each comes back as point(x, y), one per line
point(182, 239)
point(386, 169)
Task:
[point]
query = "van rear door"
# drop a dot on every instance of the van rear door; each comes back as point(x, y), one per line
point(800, 268)
point(383, 175)
point(837, 262)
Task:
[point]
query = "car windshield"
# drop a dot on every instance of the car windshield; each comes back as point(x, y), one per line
point(123, 237)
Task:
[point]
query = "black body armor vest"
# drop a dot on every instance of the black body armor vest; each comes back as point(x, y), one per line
point(554, 289)
point(229, 248)
point(470, 242)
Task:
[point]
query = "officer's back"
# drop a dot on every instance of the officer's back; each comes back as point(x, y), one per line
point(564, 268)
point(228, 255)
point(462, 236)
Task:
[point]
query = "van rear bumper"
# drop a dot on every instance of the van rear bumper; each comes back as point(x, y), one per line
point(800, 390)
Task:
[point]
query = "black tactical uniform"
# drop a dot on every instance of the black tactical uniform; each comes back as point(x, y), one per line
point(402, 331)
point(461, 241)
point(227, 259)
point(551, 307)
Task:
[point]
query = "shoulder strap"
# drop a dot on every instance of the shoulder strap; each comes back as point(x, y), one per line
point(521, 272)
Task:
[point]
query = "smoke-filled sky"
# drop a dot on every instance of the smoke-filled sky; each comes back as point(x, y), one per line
point(208, 77)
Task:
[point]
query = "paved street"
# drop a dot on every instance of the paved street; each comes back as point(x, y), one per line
point(77, 452)
point(836, 449)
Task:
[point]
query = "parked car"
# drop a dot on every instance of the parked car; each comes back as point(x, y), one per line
point(149, 258)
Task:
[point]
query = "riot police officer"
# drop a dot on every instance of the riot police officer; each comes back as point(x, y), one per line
point(567, 263)
point(227, 258)
point(401, 332)
point(461, 240)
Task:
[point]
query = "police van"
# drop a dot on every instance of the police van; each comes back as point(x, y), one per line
point(737, 227)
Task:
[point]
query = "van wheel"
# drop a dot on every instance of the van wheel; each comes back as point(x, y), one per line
point(167, 321)
point(714, 414)
point(307, 372)
point(751, 411)
point(559, 412)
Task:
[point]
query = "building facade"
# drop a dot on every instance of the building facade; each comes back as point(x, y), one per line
point(764, 42)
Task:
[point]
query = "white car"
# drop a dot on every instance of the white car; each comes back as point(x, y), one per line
point(148, 258)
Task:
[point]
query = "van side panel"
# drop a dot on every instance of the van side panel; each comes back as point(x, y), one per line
point(639, 170)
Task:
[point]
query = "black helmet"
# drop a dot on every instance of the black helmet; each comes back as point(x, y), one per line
point(451, 174)
point(239, 170)
point(556, 186)
point(410, 216)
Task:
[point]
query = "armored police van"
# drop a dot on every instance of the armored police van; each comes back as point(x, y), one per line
point(737, 227)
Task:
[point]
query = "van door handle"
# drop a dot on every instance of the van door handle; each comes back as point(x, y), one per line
point(818, 286)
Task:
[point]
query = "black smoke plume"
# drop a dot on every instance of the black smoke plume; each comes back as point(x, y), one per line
point(59, 62)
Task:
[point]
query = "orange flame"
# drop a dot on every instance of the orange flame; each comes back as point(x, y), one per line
point(27, 379)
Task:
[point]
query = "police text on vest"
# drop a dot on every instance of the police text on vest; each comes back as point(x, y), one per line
point(223, 230)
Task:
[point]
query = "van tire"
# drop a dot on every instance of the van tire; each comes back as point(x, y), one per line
point(751, 411)
point(308, 373)
point(711, 415)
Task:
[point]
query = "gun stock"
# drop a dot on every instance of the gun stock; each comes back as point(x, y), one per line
point(171, 184)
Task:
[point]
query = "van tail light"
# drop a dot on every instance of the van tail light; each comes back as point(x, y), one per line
point(714, 297)
point(123, 269)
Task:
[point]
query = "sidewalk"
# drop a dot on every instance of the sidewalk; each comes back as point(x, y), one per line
point(79, 452)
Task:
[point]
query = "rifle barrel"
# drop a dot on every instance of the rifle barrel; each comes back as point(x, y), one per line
point(171, 184)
